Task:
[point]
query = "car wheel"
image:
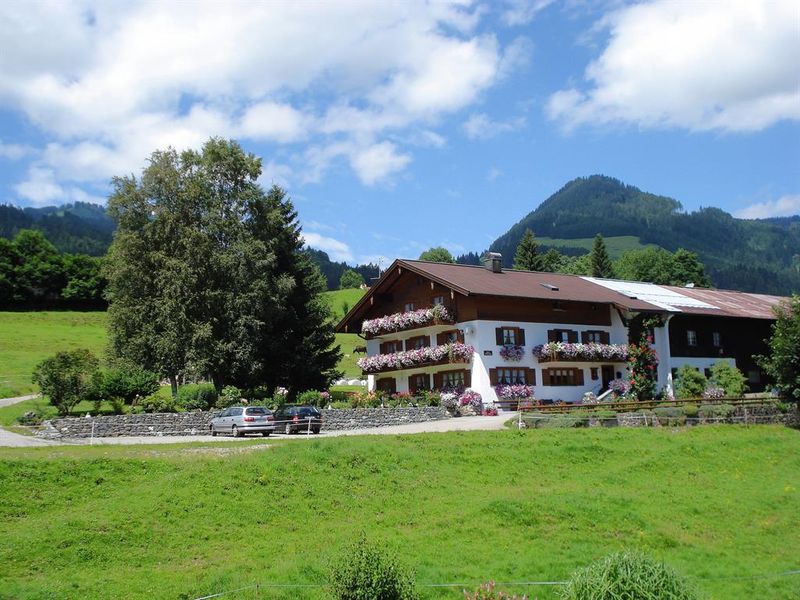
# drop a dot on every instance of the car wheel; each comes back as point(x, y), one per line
point(235, 431)
point(315, 430)
point(287, 429)
point(265, 433)
point(213, 431)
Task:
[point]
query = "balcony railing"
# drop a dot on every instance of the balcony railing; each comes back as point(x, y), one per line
point(422, 357)
point(591, 352)
point(404, 321)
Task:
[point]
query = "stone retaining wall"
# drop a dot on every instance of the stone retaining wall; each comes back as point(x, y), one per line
point(197, 423)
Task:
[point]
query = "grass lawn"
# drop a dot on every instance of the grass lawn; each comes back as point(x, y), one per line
point(26, 338)
point(339, 298)
point(616, 245)
point(716, 503)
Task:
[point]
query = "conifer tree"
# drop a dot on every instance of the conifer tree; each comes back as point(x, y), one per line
point(601, 262)
point(527, 257)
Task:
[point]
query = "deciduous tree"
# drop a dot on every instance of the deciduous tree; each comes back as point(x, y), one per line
point(437, 254)
point(783, 362)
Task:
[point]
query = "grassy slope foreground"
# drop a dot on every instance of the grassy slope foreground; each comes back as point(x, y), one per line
point(26, 338)
point(716, 503)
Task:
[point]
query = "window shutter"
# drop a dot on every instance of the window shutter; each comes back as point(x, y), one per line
point(605, 337)
point(552, 335)
point(521, 337)
point(383, 348)
point(441, 338)
point(411, 387)
point(468, 378)
point(578, 376)
point(437, 381)
point(427, 341)
point(584, 337)
point(498, 335)
point(493, 376)
point(572, 336)
point(545, 376)
point(530, 376)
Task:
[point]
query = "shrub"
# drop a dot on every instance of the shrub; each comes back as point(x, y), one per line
point(400, 399)
point(689, 382)
point(156, 403)
point(429, 398)
point(670, 415)
point(29, 418)
point(124, 384)
point(197, 396)
point(367, 572)
point(487, 592)
point(365, 400)
point(690, 410)
point(65, 377)
point(627, 575)
point(729, 378)
point(314, 398)
point(229, 396)
point(715, 411)
point(604, 414)
point(340, 405)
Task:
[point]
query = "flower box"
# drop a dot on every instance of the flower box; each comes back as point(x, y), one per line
point(512, 353)
point(410, 359)
point(404, 321)
point(571, 352)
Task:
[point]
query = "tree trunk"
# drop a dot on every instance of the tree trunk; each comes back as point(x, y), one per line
point(173, 381)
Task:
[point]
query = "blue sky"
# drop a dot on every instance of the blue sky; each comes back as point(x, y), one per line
point(400, 126)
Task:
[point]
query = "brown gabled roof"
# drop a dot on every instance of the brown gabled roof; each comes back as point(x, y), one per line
point(470, 280)
point(730, 303)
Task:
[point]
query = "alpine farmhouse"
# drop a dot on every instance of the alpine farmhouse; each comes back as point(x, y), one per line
point(434, 325)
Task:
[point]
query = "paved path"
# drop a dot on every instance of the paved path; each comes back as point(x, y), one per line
point(10, 401)
point(8, 438)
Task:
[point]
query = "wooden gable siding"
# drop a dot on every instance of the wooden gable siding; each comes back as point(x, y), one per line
point(409, 288)
point(535, 311)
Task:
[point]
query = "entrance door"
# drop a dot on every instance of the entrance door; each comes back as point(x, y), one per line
point(608, 375)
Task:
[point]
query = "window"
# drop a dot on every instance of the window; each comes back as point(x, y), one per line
point(452, 379)
point(691, 337)
point(716, 339)
point(449, 337)
point(593, 371)
point(593, 337)
point(420, 381)
point(420, 341)
point(508, 376)
point(386, 384)
point(562, 335)
point(391, 347)
point(408, 307)
point(438, 300)
point(562, 376)
point(510, 336)
point(235, 412)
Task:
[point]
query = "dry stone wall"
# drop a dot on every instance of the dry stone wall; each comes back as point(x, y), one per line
point(197, 422)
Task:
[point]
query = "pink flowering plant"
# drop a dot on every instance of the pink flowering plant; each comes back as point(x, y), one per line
point(619, 387)
point(471, 398)
point(515, 392)
point(590, 351)
point(713, 392)
point(512, 353)
point(455, 352)
point(407, 320)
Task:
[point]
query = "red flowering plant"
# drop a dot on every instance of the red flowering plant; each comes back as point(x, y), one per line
point(643, 365)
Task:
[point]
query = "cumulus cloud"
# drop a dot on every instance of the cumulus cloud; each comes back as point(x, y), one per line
point(694, 65)
point(40, 189)
point(108, 83)
point(337, 250)
point(14, 151)
point(785, 206)
point(522, 12)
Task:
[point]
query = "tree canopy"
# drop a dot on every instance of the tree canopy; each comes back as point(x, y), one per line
point(527, 257)
point(600, 260)
point(206, 275)
point(783, 362)
point(660, 266)
point(350, 279)
point(437, 254)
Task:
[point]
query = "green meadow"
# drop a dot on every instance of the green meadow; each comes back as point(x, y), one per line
point(717, 503)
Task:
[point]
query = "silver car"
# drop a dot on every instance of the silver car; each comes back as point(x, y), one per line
point(238, 420)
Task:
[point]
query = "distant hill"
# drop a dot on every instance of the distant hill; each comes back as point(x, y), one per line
point(757, 255)
point(80, 228)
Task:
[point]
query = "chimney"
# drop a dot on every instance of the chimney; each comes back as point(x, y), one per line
point(493, 261)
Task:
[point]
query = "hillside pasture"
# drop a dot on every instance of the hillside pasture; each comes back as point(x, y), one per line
point(616, 245)
point(719, 504)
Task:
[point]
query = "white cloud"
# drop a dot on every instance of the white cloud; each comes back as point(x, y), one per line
point(41, 189)
point(14, 151)
point(481, 126)
point(108, 83)
point(785, 206)
point(522, 12)
point(377, 162)
point(337, 250)
point(732, 66)
point(274, 173)
point(493, 174)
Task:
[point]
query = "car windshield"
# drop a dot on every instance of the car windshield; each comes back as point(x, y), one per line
point(257, 410)
point(308, 411)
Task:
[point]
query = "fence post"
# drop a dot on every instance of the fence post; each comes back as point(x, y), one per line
point(91, 439)
point(309, 426)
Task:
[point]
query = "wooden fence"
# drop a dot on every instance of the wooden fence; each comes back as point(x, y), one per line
point(633, 405)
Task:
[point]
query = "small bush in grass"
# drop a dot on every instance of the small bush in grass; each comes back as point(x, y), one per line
point(122, 385)
point(627, 576)
point(29, 418)
point(229, 396)
point(156, 403)
point(487, 592)
point(197, 396)
point(65, 378)
point(670, 415)
point(365, 571)
point(715, 411)
point(690, 410)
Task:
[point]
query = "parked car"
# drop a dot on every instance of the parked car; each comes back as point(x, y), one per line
point(238, 420)
point(293, 418)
